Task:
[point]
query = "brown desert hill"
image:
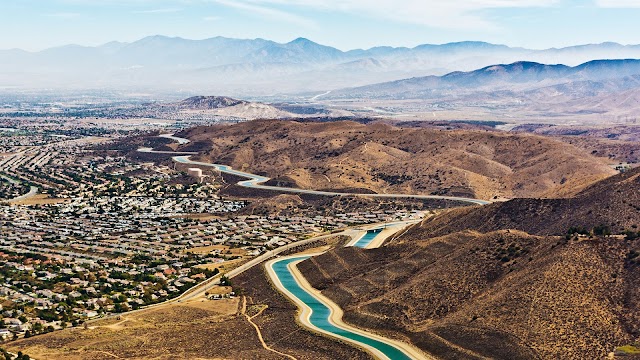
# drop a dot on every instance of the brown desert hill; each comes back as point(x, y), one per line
point(386, 159)
point(463, 285)
point(612, 204)
point(501, 295)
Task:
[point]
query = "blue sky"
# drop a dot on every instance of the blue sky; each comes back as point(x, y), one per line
point(345, 24)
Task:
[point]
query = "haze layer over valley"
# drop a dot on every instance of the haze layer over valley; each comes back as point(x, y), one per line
point(259, 67)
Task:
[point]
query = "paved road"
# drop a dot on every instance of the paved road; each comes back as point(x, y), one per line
point(33, 190)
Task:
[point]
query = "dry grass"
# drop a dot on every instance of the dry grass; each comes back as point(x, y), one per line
point(385, 159)
point(220, 290)
point(225, 250)
point(201, 329)
point(224, 266)
point(41, 199)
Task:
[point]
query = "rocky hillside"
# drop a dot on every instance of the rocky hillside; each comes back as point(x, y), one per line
point(387, 159)
point(612, 205)
point(465, 285)
point(503, 295)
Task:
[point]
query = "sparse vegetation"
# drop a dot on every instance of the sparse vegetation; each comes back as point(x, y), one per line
point(629, 349)
point(382, 158)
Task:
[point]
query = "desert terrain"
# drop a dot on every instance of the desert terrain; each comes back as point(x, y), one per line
point(386, 159)
point(485, 290)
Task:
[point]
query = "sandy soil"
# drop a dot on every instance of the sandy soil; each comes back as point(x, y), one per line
point(40, 199)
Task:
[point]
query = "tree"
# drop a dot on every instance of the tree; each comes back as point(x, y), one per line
point(602, 230)
point(37, 327)
point(631, 235)
point(224, 281)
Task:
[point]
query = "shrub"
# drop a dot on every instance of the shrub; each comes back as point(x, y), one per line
point(602, 230)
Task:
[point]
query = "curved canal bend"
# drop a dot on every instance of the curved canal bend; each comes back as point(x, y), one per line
point(319, 313)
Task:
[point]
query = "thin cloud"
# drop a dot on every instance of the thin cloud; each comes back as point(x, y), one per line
point(63, 15)
point(618, 3)
point(211, 18)
point(158, 11)
point(268, 13)
point(451, 14)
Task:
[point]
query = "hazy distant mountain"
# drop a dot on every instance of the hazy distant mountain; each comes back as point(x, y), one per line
point(263, 67)
point(208, 102)
point(596, 91)
point(211, 108)
point(521, 76)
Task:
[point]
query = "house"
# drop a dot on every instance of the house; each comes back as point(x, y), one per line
point(89, 314)
point(12, 321)
point(5, 334)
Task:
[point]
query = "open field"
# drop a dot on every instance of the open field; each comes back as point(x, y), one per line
point(223, 249)
point(200, 329)
point(41, 199)
point(223, 266)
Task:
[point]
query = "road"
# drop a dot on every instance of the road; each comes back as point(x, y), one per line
point(33, 190)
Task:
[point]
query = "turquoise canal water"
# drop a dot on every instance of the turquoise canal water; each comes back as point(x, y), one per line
point(320, 312)
point(366, 239)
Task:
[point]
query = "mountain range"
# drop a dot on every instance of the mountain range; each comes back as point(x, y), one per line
point(263, 67)
point(593, 92)
point(520, 75)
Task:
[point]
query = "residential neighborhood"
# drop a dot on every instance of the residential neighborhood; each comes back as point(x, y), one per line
point(103, 234)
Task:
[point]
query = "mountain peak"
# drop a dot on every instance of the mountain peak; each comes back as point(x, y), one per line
point(301, 40)
point(209, 102)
